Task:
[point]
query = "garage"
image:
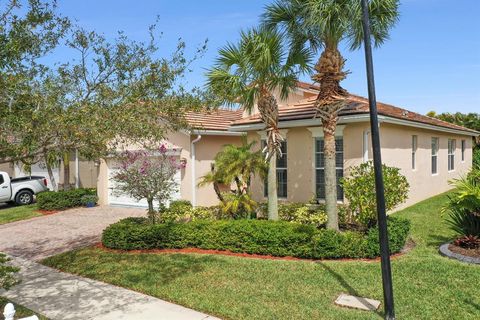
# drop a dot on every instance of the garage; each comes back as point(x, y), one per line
point(116, 198)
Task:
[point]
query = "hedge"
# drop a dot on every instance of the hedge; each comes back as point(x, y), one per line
point(276, 238)
point(51, 200)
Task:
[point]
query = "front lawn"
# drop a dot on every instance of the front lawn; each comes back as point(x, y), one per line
point(14, 213)
point(427, 286)
point(20, 311)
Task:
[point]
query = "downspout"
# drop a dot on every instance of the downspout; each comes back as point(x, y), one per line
point(77, 170)
point(194, 174)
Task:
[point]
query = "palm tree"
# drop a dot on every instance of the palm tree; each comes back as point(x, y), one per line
point(248, 73)
point(322, 25)
point(236, 164)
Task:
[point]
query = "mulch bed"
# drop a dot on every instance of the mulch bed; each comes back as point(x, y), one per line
point(408, 246)
point(474, 253)
point(46, 212)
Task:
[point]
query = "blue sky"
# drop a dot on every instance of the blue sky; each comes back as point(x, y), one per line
point(431, 62)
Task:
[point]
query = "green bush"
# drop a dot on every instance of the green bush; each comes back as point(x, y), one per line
point(301, 213)
point(464, 205)
point(276, 238)
point(359, 188)
point(51, 200)
point(476, 158)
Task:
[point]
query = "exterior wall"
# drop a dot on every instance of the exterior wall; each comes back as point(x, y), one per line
point(88, 172)
point(8, 168)
point(205, 151)
point(396, 151)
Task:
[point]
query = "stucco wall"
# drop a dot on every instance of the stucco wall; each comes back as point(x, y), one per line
point(396, 151)
point(7, 167)
point(206, 149)
point(88, 172)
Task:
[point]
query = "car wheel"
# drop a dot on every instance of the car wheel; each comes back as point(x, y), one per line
point(24, 197)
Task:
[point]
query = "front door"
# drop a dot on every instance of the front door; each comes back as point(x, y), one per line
point(4, 189)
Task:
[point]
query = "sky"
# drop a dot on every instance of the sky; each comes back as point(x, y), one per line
point(431, 62)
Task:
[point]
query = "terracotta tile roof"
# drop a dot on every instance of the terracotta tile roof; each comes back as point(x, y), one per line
point(219, 119)
point(304, 109)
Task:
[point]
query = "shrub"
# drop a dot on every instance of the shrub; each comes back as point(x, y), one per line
point(51, 200)
point(89, 199)
point(359, 188)
point(464, 205)
point(476, 158)
point(186, 213)
point(277, 238)
point(301, 213)
point(238, 206)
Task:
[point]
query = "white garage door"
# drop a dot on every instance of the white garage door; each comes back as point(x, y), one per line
point(119, 199)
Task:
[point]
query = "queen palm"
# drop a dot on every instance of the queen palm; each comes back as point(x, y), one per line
point(322, 25)
point(248, 73)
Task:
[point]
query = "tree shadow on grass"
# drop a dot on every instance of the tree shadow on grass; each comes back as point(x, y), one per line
point(351, 290)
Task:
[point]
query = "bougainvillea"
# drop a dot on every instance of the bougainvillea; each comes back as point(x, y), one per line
point(149, 175)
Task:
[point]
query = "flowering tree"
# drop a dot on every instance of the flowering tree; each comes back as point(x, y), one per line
point(149, 175)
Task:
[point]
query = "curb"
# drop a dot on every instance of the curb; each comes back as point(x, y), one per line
point(444, 251)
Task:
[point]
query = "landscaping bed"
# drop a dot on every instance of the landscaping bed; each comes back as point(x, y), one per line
point(426, 285)
point(263, 237)
point(473, 253)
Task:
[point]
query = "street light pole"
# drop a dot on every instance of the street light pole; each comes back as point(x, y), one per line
point(377, 163)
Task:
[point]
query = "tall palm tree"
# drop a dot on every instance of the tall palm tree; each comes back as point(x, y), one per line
point(322, 25)
point(248, 73)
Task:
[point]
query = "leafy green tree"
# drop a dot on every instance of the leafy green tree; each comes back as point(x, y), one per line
point(248, 73)
point(322, 25)
point(235, 165)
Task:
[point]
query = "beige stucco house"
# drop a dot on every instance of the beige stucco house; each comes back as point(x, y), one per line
point(429, 152)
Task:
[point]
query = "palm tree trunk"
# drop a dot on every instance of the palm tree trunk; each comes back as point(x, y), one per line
point(268, 109)
point(330, 174)
point(66, 171)
point(272, 189)
point(330, 100)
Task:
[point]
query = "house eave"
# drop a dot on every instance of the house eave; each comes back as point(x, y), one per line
point(352, 119)
point(218, 133)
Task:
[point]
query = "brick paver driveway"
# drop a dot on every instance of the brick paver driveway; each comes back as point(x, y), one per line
point(45, 236)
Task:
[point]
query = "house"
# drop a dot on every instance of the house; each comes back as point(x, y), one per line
point(83, 172)
point(428, 151)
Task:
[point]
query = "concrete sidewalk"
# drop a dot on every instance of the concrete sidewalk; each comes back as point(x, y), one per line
point(59, 295)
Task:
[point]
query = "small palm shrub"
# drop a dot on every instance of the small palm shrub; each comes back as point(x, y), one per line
point(301, 213)
point(238, 206)
point(359, 188)
point(463, 207)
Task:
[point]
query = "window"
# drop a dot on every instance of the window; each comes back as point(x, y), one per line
point(414, 152)
point(281, 173)
point(451, 154)
point(464, 146)
point(434, 155)
point(320, 167)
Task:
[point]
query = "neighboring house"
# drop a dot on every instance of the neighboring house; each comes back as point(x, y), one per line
point(428, 151)
point(85, 176)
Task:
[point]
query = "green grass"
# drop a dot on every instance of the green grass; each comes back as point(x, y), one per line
point(20, 311)
point(426, 285)
point(11, 214)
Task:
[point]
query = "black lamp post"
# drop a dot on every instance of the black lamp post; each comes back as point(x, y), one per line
point(377, 163)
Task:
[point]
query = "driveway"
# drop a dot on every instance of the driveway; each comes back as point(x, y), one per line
point(38, 238)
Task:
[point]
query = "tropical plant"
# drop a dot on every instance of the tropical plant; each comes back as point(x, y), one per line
point(322, 25)
point(238, 206)
point(464, 205)
point(235, 165)
point(150, 176)
point(248, 73)
point(359, 188)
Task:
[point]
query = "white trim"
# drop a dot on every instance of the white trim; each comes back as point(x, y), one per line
point(352, 119)
point(217, 133)
point(194, 178)
point(366, 147)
